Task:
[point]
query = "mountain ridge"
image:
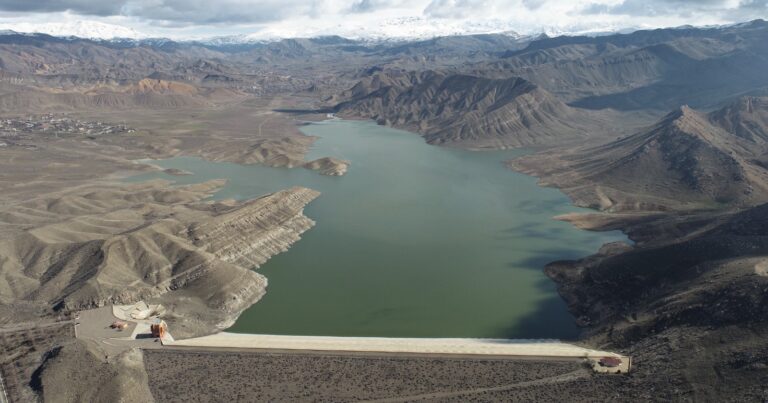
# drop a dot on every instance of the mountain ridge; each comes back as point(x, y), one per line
point(460, 109)
point(687, 156)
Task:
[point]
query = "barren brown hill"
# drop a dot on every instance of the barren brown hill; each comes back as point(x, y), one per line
point(25, 99)
point(466, 110)
point(109, 95)
point(688, 159)
point(67, 61)
point(157, 86)
point(280, 152)
point(123, 243)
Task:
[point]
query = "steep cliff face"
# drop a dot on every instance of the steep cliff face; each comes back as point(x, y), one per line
point(123, 243)
point(466, 110)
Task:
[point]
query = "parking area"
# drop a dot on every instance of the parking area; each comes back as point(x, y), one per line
point(96, 325)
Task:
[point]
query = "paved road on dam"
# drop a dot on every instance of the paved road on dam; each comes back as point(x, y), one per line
point(532, 348)
point(95, 325)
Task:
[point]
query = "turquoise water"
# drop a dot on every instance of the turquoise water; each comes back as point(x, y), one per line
point(415, 241)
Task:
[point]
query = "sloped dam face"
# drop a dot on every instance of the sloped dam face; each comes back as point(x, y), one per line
point(414, 241)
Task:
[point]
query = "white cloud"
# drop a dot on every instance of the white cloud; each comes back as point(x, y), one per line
point(185, 18)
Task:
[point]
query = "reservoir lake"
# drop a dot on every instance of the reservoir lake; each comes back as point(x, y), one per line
point(414, 241)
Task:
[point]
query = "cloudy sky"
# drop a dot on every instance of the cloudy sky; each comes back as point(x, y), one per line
point(265, 18)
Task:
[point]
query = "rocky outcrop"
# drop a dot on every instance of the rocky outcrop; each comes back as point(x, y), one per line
point(123, 243)
point(328, 166)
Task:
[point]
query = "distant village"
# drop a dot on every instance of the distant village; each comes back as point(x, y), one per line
point(17, 128)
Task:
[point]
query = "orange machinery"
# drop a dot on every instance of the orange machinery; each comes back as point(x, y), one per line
point(158, 329)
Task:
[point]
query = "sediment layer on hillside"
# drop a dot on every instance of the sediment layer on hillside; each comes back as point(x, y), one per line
point(123, 243)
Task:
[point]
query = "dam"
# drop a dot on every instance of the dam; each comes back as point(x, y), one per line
point(94, 325)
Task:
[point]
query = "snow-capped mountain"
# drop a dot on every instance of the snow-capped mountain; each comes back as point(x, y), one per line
point(386, 30)
point(424, 28)
point(394, 29)
point(82, 29)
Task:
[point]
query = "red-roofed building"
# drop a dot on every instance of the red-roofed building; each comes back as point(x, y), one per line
point(610, 362)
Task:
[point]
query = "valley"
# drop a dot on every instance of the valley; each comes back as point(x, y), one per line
point(619, 202)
